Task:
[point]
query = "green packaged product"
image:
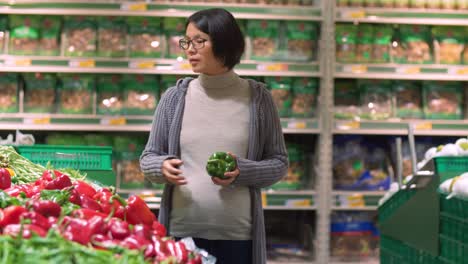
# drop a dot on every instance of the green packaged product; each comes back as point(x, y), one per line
point(462, 4)
point(304, 97)
point(131, 176)
point(295, 178)
point(418, 3)
point(219, 163)
point(39, 93)
point(8, 93)
point(50, 35)
point(76, 94)
point(174, 31)
point(376, 99)
point(101, 140)
point(381, 47)
point(408, 99)
point(449, 44)
point(112, 37)
point(346, 98)
point(109, 95)
point(263, 36)
point(301, 40)
point(386, 3)
point(448, 4)
point(371, 3)
point(168, 81)
point(129, 144)
point(282, 93)
point(146, 38)
point(433, 4)
point(415, 41)
point(443, 100)
point(356, 3)
point(141, 93)
point(80, 37)
point(346, 43)
point(401, 3)
point(24, 35)
point(365, 36)
point(3, 32)
point(65, 139)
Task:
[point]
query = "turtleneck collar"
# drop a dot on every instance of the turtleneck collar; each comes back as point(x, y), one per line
point(219, 81)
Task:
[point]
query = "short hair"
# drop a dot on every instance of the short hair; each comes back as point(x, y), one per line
point(225, 33)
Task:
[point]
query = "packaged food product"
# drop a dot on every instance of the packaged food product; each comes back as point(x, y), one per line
point(415, 43)
point(307, 2)
point(465, 54)
point(381, 44)
point(282, 93)
point(50, 35)
point(131, 174)
point(449, 44)
point(386, 3)
point(417, 3)
point(140, 94)
point(3, 31)
point(342, 3)
point(371, 3)
point(168, 81)
point(230, 1)
point(302, 41)
point(263, 36)
point(112, 37)
point(433, 4)
point(401, 3)
point(98, 139)
point(8, 93)
point(462, 4)
point(346, 43)
point(376, 99)
point(293, 2)
point(175, 30)
point(76, 94)
point(146, 38)
point(346, 99)
point(109, 95)
point(65, 139)
point(297, 170)
point(365, 36)
point(39, 93)
point(442, 100)
point(356, 3)
point(408, 99)
point(274, 2)
point(304, 97)
point(448, 4)
point(24, 35)
point(80, 37)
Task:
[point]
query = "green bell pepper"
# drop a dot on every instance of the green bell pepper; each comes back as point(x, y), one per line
point(219, 163)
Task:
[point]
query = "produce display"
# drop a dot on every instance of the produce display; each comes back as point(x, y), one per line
point(49, 215)
point(219, 163)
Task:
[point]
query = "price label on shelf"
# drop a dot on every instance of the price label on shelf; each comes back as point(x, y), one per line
point(37, 121)
point(348, 125)
point(141, 64)
point(297, 124)
point(423, 126)
point(264, 199)
point(458, 71)
point(352, 200)
point(82, 63)
point(353, 14)
point(134, 7)
point(355, 68)
point(113, 121)
point(297, 202)
point(273, 67)
point(18, 62)
point(408, 69)
point(182, 66)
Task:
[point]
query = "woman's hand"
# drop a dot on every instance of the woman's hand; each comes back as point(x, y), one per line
point(231, 175)
point(170, 170)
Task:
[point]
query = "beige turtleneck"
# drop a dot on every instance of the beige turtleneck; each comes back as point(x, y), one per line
point(216, 118)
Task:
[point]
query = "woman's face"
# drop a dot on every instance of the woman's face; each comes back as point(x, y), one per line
point(201, 57)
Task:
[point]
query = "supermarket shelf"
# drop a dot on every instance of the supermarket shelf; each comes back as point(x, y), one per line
point(403, 16)
point(356, 200)
point(300, 126)
point(390, 127)
point(403, 71)
point(294, 208)
point(288, 200)
point(179, 66)
point(121, 8)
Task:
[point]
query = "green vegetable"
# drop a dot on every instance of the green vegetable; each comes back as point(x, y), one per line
point(219, 163)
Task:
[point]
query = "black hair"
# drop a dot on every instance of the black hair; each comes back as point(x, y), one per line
point(226, 35)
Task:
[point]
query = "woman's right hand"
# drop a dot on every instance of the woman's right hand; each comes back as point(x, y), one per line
point(170, 170)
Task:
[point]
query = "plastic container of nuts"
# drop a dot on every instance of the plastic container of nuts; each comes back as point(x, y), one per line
point(381, 44)
point(263, 36)
point(141, 93)
point(346, 43)
point(109, 95)
point(24, 35)
point(449, 44)
point(174, 31)
point(304, 97)
point(39, 93)
point(8, 93)
point(282, 93)
point(80, 37)
point(50, 35)
point(75, 94)
point(112, 37)
point(3, 31)
point(301, 41)
point(408, 99)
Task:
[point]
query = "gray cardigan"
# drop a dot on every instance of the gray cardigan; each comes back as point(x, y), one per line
point(266, 161)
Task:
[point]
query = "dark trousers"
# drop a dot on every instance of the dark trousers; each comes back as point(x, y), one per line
point(227, 251)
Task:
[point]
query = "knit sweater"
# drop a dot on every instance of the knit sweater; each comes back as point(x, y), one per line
point(266, 161)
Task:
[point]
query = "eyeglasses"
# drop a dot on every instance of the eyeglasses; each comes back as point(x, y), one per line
point(197, 43)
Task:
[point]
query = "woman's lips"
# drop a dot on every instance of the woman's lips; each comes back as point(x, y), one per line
point(193, 61)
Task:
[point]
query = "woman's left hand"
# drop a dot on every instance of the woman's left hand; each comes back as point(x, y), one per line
point(231, 175)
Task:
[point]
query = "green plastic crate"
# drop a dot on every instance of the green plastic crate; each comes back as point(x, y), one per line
point(454, 207)
point(395, 252)
point(393, 203)
point(452, 251)
point(76, 157)
point(454, 228)
point(449, 167)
